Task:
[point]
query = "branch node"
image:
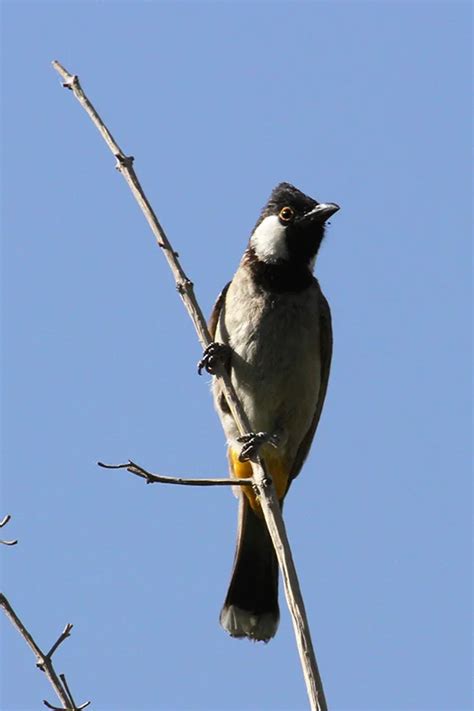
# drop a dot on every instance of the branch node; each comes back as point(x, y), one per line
point(123, 161)
point(163, 245)
point(71, 83)
point(183, 286)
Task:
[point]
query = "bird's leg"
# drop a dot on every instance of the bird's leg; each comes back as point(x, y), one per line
point(214, 353)
point(253, 441)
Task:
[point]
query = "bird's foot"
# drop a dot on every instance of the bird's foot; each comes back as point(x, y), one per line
point(253, 441)
point(214, 353)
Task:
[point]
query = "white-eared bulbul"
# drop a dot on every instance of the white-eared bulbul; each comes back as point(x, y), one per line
point(275, 324)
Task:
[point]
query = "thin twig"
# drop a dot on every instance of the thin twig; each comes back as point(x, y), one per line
point(71, 698)
point(160, 479)
point(64, 634)
point(43, 661)
point(3, 523)
point(263, 483)
point(57, 708)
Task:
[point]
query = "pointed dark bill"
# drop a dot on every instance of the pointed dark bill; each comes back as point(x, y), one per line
point(320, 213)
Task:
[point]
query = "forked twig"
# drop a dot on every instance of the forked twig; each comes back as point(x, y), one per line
point(44, 661)
point(160, 479)
point(262, 482)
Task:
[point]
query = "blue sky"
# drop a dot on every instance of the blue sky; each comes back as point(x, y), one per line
point(361, 103)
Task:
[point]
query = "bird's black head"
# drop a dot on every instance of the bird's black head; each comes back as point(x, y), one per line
point(290, 228)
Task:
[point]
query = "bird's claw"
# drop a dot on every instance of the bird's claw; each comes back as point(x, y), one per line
point(214, 353)
point(252, 443)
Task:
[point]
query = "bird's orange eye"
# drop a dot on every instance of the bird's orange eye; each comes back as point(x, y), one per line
point(286, 214)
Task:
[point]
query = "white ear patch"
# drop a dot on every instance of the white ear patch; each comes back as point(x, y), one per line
point(268, 240)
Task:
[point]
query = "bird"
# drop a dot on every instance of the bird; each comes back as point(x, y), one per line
point(271, 328)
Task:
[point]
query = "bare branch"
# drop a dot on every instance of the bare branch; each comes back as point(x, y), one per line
point(184, 285)
point(3, 523)
point(263, 483)
point(43, 661)
point(160, 479)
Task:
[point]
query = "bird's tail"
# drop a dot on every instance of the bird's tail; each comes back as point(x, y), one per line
point(251, 605)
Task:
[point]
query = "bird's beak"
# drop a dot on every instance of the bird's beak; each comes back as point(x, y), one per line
point(320, 213)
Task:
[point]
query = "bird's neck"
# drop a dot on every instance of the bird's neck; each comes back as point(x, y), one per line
point(278, 277)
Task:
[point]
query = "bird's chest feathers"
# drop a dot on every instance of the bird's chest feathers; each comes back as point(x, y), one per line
point(275, 334)
point(275, 351)
point(265, 328)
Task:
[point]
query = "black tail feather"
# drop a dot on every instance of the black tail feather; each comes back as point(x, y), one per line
point(251, 605)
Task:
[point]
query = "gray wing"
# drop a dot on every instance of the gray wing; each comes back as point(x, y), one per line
point(325, 331)
point(214, 318)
